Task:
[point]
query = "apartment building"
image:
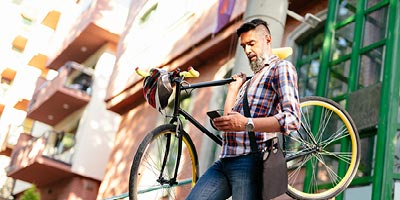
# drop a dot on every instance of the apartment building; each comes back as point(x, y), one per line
point(72, 112)
point(55, 131)
point(350, 57)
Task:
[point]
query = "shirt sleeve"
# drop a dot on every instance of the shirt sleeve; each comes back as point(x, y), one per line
point(289, 114)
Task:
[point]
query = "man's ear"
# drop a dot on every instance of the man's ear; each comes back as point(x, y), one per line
point(268, 38)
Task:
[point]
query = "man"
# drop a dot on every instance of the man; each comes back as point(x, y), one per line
point(274, 106)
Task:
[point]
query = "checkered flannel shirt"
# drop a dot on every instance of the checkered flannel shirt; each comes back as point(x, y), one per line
point(275, 94)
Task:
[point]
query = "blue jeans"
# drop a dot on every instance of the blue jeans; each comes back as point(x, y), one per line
point(238, 177)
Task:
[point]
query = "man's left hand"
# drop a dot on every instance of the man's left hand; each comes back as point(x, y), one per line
point(232, 122)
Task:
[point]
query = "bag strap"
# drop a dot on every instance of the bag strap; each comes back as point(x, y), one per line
point(246, 109)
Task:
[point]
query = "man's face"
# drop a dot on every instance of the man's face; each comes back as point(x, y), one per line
point(255, 44)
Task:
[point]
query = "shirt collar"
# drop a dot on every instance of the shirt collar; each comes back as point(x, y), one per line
point(272, 60)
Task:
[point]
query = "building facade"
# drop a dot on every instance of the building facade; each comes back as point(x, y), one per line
point(72, 112)
point(350, 57)
point(55, 131)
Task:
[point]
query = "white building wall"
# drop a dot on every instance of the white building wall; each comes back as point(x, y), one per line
point(95, 134)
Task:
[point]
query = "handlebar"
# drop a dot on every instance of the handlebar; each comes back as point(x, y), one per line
point(211, 83)
point(191, 72)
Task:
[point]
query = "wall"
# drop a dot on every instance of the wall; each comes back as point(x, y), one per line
point(135, 123)
point(83, 188)
point(95, 134)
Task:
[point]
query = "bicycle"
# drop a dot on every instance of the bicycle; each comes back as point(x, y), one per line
point(326, 149)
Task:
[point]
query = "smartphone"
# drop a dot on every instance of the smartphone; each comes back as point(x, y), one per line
point(213, 114)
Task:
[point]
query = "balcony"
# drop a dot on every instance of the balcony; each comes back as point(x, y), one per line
point(42, 160)
point(5, 150)
point(54, 100)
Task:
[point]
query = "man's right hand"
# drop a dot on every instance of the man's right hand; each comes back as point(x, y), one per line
point(239, 80)
point(233, 90)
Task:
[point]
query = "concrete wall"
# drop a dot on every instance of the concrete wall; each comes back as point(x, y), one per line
point(136, 122)
point(97, 127)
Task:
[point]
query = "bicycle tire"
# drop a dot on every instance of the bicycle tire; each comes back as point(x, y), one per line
point(335, 146)
point(146, 164)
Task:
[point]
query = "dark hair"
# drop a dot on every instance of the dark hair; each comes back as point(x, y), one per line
point(251, 25)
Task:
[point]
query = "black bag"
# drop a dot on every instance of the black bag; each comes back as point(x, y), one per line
point(275, 176)
point(274, 173)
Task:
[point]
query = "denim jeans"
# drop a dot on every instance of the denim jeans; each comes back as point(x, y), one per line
point(239, 177)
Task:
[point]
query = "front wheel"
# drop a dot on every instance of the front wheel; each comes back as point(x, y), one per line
point(323, 156)
point(149, 180)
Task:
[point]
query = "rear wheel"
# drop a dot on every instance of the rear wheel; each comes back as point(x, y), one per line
point(147, 180)
point(323, 156)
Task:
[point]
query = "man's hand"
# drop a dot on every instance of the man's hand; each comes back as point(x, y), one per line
point(233, 90)
point(232, 122)
point(239, 80)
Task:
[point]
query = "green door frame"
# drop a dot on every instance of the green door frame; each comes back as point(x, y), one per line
point(382, 180)
point(387, 127)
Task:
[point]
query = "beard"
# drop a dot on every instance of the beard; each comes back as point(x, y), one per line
point(257, 64)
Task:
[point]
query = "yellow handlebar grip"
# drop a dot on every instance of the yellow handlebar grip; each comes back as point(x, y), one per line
point(190, 73)
point(194, 72)
point(141, 72)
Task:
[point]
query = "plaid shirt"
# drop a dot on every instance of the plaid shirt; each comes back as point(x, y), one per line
point(272, 93)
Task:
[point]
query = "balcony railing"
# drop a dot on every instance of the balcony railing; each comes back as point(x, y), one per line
point(59, 146)
point(68, 92)
point(42, 160)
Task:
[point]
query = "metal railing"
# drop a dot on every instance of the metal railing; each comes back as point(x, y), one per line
point(59, 146)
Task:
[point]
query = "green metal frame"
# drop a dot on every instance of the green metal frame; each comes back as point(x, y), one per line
point(396, 60)
point(383, 170)
point(383, 176)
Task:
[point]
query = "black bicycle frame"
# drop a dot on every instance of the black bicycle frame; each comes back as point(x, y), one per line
point(175, 118)
point(177, 111)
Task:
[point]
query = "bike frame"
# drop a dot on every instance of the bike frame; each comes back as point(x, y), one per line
point(177, 111)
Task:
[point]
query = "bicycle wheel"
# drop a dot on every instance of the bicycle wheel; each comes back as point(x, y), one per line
point(148, 181)
point(323, 156)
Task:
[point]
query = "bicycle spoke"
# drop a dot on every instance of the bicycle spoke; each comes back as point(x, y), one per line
point(313, 181)
point(341, 133)
point(326, 119)
point(299, 139)
point(293, 175)
point(344, 156)
point(148, 165)
point(315, 153)
point(152, 165)
point(307, 124)
point(152, 171)
point(296, 151)
point(331, 173)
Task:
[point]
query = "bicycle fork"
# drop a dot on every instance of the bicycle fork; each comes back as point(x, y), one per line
point(178, 135)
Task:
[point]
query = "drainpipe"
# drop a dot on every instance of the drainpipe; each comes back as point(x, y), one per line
point(274, 13)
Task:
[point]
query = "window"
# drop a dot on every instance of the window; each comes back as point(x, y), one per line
point(360, 34)
point(308, 62)
point(354, 59)
point(375, 26)
point(345, 9)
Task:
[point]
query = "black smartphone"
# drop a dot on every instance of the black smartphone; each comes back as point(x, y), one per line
point(213, 114)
